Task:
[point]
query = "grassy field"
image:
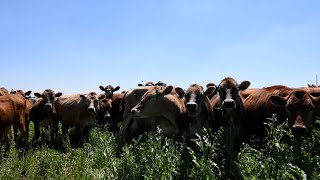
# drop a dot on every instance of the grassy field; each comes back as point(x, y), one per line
point(153, 156)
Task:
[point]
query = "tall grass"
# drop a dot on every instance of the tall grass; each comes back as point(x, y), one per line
point(153, 156)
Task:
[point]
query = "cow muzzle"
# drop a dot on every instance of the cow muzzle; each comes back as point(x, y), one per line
point(48, 106)
point(135, 112)
point(299, 130)
point(91, 109)
point(192, 108)
point(229, 104)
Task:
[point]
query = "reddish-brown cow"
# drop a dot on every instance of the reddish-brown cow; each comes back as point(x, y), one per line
point(293, 103)
point(12, 112)
point(3, 91)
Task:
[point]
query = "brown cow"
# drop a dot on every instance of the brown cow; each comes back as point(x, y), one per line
point(299, 106)
point(229, 108)
point(199, 108)
point(41, 113)
point(109, 90)
point(106, 104)
point(12, 112)
point(29, 103)
point(295, 104)
point(160, 106)
point(78, 110)
point(130, 99)
point(116, 112)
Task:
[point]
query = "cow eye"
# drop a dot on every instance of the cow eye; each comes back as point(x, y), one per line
point(186, 96)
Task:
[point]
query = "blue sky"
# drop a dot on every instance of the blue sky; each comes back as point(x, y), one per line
point(75, 45)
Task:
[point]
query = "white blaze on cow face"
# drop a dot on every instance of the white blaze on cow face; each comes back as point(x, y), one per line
point(228, 104)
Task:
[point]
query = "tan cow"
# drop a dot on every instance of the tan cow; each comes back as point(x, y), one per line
point(130, 99)
point(78, 110)
point(160, 107)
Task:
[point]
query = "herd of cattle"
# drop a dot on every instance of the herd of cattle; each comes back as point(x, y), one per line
point(242, 111)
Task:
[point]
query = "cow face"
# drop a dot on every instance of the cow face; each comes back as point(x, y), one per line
point(228, 91)
point(299, 106)
point(48, 96)
point(90, 101)
point(109, 90)
point(105, 105)
point(151, 102)
point(194, 97)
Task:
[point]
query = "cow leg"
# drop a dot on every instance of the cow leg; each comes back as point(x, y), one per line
point(65, 129)
point(15, 135)
point(7, 138)
point(127, 118)
point(36, 132)
point(23, 133)
point(53, 129)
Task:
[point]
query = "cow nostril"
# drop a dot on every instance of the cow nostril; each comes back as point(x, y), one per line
point(133, 111)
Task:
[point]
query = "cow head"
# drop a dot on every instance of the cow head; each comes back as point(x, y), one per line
point(105, 105)
point(90, 101)
point(195, 96)
point(109, 90)
point(26, 95)
point(300, 106)
point(151, 103)
point(228, 90)
point(48, 96)
point(160, 83)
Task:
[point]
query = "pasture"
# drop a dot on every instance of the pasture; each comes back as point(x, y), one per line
point(153, 156)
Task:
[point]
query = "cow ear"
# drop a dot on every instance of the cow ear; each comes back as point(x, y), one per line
point(101, 96)
point(58, 94)
point(210, 90)
point(244, 85)
point(101, 88)
point(278, 101)
point(38, 95)
point(167, 90)
point(83, 96)
point(28, 93)
point(179, 91)
point(116, 88)
point(210, 84)
point(315, 101)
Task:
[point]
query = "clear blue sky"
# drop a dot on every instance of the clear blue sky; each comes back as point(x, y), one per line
point(76, 45)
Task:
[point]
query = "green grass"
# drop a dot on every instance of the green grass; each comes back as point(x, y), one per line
point(153, 156)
